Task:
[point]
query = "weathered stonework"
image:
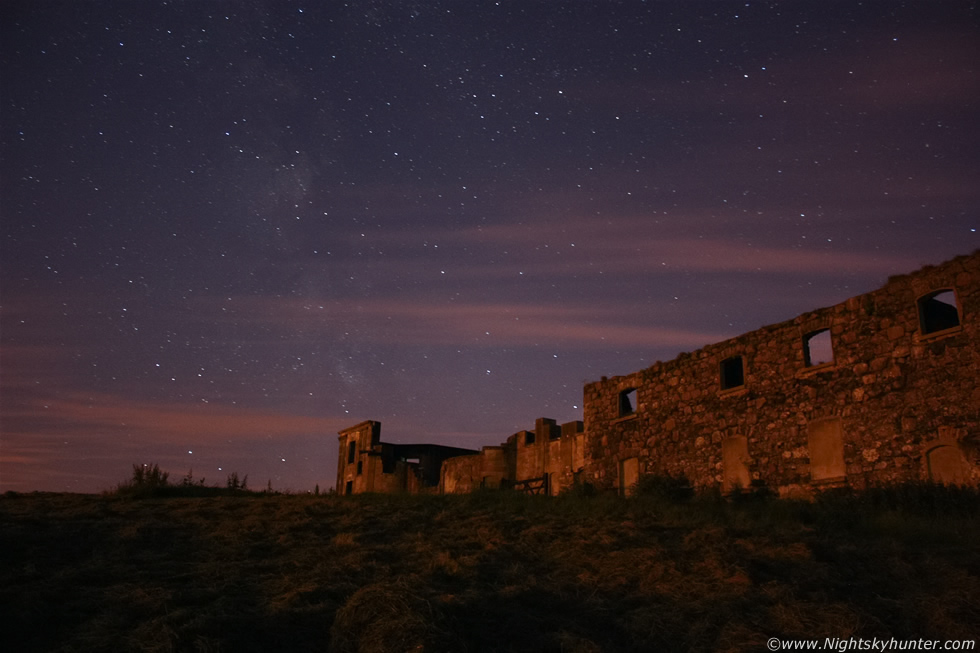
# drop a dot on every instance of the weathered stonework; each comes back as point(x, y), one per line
point(366, 464)
point(550, 454)
point(879, 389)
point(897, 399)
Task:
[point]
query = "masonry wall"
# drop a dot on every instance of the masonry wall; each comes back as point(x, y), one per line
point(487, 469)
point(897, 400)
point(365, 464)
point(357, 469)
point(881, 388)
point(552, 451)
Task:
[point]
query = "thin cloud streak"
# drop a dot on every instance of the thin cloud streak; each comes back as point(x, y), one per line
point(453, 324)
point(571, 247)
point(46, 439)
point(93, 414)
point(645, 252)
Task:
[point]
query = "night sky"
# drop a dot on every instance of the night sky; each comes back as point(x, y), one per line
point(230, 229)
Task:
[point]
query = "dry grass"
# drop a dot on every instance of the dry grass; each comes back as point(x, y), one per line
point(481, 573)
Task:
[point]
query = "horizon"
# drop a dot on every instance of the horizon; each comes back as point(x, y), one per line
point(231, 231)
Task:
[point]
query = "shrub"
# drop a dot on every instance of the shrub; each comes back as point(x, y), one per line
point(670, 488)
point(149, 476)
point(234, 484)
point(151, 481)
point(190, 481)
point(147, 480)
point(582, 489)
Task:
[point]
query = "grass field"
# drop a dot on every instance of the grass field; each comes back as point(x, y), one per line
point(484, 572)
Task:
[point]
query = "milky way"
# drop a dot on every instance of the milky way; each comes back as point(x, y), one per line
point(230, 229)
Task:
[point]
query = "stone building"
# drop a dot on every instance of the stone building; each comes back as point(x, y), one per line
point(881, 388)
point(544, 461)
point(366, 464)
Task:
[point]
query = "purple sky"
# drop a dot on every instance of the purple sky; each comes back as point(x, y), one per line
point(230, 229)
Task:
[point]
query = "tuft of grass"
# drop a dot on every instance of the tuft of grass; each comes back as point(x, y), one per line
point(387, 616)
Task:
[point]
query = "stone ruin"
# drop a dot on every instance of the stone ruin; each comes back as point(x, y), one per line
point(540, 461)
point(366, 464)
point(879, 389)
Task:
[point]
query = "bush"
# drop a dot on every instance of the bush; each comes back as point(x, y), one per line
point(669, 488)
point(190, 481)
point(582, 489)
point(151, 481)
point(146, 480)
point(149, 476)
point(234, 484)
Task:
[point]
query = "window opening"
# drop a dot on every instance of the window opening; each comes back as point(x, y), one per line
point(732, 373)
point(360, 467)
point(938, 311)
point(351, 451)
point(528, 437)
point(817, 348)
point(627, 402)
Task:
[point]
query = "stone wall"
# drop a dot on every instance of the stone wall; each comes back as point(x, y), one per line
point(356, 470)
point(487, 469)
point(881, 388)
point(366, 464)
point(878, 389)
point(549, 451)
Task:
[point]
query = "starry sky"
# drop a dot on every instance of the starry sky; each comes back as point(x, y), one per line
point(231, 229)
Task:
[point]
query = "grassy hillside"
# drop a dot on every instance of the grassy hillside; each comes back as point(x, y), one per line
point(486, 572)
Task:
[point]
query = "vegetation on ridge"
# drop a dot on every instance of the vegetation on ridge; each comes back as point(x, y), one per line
point(491, 571)
point(148, 480)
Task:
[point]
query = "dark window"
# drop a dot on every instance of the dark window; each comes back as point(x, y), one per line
point(817, 348)
point(360, 467)
point(351, 451)
point(627, 402)
point(732, 373)
point(349, 487)
point(528, 437)
point(937, 311)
